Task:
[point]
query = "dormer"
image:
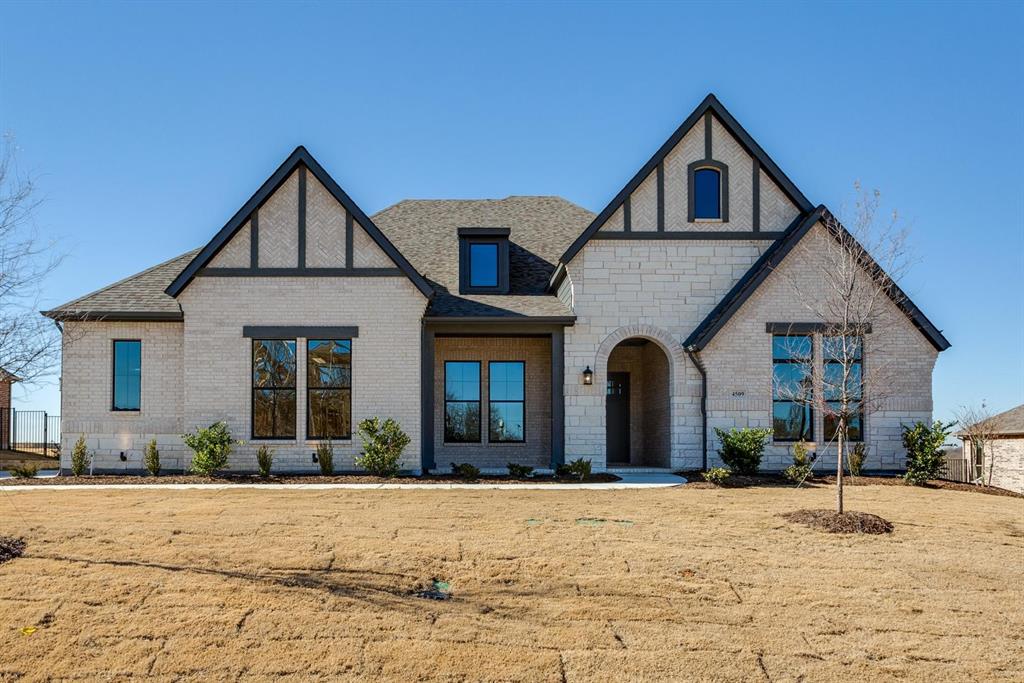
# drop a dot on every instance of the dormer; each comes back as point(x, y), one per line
point(483, 260)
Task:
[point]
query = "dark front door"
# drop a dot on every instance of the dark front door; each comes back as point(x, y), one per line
point(617, 417)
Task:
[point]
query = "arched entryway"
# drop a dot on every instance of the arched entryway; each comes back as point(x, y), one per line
point(638, 406)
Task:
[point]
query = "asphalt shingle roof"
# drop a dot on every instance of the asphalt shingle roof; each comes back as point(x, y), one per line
point(426, 233)
point(1010, 422)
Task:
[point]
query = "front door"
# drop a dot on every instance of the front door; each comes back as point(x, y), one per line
point(617, 417)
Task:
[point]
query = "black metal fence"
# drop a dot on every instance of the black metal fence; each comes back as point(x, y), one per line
point(29, 431)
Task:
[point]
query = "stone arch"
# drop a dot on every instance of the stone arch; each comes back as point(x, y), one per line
point(672, 348)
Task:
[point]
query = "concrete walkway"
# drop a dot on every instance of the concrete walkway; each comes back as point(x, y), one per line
point(639, 480)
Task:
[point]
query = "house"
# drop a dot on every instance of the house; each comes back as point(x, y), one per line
point(524, 329)
point(1000, 460)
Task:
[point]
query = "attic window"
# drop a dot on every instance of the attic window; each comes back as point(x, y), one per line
point(707, 193)
point(483, 260)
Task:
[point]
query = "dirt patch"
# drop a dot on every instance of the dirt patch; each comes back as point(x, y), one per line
point(11, 548)
point(601, 477)
point(840, 522)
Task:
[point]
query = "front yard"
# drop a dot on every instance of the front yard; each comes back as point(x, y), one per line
point(671, 584)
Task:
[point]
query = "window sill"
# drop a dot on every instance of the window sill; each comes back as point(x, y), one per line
point(708, 220)
point(126, 411)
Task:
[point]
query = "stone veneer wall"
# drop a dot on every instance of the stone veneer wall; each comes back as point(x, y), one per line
point(536, 353)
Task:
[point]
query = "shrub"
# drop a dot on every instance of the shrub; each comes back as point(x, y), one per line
point(717, 475)
point(264, 460)
point(742, 449)
point(25, 471)
point(79, 457)
point(151, 458)
point(465, 470)
point(575, 469)
point(519, 471)
point(855, 458)
point(923, 443)
point(210, 448)
point(325, 456)
point(800, 470)
point(383, 443)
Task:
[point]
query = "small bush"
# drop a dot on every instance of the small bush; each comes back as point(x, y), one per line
point(79, 457)
point(717, 475)
point(325, 457)
point(26, 471)
point(923, 443)
point(264, 460)
point(855, 458)
point(519, 471)
point(465, 470)
point(383, 443)
point(210, 448)
point(574, 469)
point(151, 458)
point(800, 470)
point(742, 449)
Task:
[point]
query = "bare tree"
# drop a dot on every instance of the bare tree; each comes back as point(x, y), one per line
point(977, 429)
point(845, 280)
point(29, 343)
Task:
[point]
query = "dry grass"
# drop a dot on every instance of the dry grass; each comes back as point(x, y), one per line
point(669, 584)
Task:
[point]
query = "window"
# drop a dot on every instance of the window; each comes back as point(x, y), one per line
point(707, 193)
point(792, 380)
point(506, 414)
point(840, 353)
point(483, 265)
point(462, 401)
point(273, 389)
point(329, 388)
point(127, 374)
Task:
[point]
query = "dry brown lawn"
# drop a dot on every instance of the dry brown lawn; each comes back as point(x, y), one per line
point(674, 584)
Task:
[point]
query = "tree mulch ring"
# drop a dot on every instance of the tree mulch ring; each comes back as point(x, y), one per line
point(11, 548)
point(840, 523)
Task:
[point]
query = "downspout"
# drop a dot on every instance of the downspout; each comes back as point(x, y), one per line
point(692, 352)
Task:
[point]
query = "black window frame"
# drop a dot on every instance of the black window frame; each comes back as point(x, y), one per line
point(723, 190)
point(491, 401)
point(468, 237)
point(479, 402)
point(825, 362)
point(254, 389)
point(113, 375)
point(310, 436)
point(809, 410)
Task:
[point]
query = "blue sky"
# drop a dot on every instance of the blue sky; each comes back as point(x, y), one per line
point(150, 124)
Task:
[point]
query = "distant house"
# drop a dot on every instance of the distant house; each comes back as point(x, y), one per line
point(523, 329)
point(1003, 452)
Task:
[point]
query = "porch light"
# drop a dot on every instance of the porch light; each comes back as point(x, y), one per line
point(588, 376)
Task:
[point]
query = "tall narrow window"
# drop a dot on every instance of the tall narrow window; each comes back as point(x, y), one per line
point(792, 387)
point(273, 389)
point(329, 388)
point(506, 413)
point(707, 197)
point(127, 374)
point(462, 401)
point(842, 364)
point(483, 265)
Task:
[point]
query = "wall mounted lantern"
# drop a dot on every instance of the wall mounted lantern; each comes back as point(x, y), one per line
point(588, 376)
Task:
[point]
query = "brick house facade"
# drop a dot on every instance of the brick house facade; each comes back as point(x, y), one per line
point(525, 329)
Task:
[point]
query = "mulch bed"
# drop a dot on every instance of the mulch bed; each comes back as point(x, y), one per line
point(840, 523)
point(695, 480)
point(11, 548)
point(601, 477)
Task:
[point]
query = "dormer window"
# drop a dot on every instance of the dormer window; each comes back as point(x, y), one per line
point(708, 190)
point(483, 260)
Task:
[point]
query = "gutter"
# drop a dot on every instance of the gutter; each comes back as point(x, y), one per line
point(693, 352)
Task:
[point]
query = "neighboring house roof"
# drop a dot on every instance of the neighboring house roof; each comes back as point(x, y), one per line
point(710, 103)
point(772, 258)
point(541, 227)
point(137, 297)
point(1010, 423)
point(300, 157)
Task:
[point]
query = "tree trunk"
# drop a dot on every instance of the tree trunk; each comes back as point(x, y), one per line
point(839, 465)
